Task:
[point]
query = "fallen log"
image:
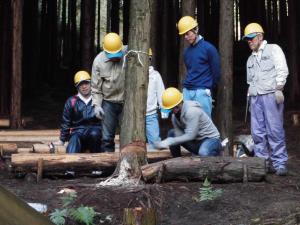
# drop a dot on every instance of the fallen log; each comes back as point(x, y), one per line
point(36, 139)
point(76, 162)
point(217, 169)
point(8, 148)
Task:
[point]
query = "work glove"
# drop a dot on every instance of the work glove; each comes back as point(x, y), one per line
point(163, 144)
point(99, 113)
point(164, 113)
point(58, 143)
point(279, 95)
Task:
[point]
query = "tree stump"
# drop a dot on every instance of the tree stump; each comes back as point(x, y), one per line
point(139, 216)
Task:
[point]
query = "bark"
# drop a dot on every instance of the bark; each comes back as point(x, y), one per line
point(139, 215)
point(16, 80)
point(154, 30)
point(136, 81)
point(87, 35)
point(225, 88)
point(14, 211)
point(187, 9)
point(217, 169)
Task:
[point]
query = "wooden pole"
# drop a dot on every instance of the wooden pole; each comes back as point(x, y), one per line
point(39, 170)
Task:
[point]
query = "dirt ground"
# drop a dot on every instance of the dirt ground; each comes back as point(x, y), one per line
point(273, 201)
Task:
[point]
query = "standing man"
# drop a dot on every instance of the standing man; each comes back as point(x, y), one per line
point(108, 81)
point(202, 63)
point(154, 100)
point(79, 124)
point(193, 128)
point(266, 75)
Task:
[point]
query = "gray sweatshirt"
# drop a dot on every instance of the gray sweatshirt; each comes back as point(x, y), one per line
point(194, 124)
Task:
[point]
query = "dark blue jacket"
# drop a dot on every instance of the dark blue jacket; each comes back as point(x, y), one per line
point(202, 62)
point(76, 115)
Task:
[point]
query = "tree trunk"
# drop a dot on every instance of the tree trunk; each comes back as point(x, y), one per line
point(187, 9)
point(293, 79)
point(224, 106)
point(5, 55)
point(126, 13)
point(139, 216)
point(114, 16)
point(136, 81)
point(87, 35)
point(16, 81)
point(14, 211)
point(217, 169)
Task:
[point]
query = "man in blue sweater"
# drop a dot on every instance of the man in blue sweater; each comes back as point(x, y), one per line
point(202, 63)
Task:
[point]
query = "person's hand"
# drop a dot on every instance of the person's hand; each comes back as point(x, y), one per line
point(58, 143)
point(279, 94)
point(162, 144)
point(99, 113)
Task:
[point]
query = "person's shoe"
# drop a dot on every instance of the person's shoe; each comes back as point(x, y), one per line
point(282, 171)
point(270, 167)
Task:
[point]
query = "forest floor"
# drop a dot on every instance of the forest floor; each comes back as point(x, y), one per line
point(276, 200)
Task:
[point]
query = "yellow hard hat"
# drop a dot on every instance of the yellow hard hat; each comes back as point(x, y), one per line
point(150, 52)
point(81, 76)
point(112, 43)
point(185, 24)
point(171, 97)
point(252, 29)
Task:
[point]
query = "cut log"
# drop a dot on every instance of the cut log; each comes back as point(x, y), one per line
point(43, 148)
point(36, 139)
point(5, 122)
point(7, 149)
point(139, 216)
point(217, 169)
point(54, 132)
point(77, 162)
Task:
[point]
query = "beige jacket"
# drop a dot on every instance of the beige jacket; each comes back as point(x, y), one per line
point(108, 80)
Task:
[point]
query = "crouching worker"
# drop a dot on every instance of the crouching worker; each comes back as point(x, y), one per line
point(193, 128)
point(79, 124)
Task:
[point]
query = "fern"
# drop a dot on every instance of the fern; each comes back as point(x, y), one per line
point(207, 193)
point(68, 199)
point(58, 216)
point(83, 214)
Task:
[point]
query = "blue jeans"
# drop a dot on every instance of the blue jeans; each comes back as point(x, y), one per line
point(204, 147)
point(201, 96)
point(112, 116)
point(152, 129)
point(85, 138)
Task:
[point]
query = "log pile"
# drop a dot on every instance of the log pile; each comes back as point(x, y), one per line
point(161, 168)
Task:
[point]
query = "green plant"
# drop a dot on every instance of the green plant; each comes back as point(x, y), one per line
point(207, 193)
point(82, 214)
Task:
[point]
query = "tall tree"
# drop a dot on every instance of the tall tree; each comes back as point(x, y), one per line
point(126, 13)
point(293, 80)
point(114, 16)
point(5, 55)
point(187, 9)
point(87, 33)
point(136, 82)
point(224, 107)
point(16, 80)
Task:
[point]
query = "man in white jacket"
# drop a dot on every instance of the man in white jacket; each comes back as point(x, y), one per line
point(266, 75)
point(154, 100)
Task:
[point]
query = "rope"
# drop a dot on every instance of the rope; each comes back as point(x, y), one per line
point(136, 52)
